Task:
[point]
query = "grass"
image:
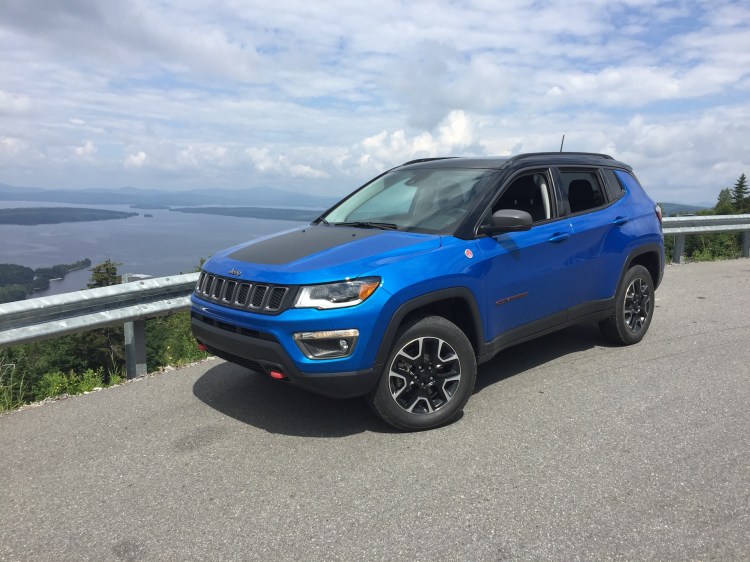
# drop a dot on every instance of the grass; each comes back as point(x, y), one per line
point(11, 391)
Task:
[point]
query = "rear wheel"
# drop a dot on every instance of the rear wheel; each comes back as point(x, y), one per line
point(634, 308)
point(428, 378)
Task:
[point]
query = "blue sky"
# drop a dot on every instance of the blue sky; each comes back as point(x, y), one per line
point(320, 97)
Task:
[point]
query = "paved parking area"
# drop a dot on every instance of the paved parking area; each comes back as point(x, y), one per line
point(569, 449)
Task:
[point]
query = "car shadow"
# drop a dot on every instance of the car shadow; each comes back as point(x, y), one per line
point(532, 354)
point(282, 408)
point(279, 407)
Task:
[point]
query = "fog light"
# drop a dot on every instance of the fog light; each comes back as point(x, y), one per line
point(330, 344)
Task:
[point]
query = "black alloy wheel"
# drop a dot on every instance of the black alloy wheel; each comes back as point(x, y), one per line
point(428, 378)
point(634, 308)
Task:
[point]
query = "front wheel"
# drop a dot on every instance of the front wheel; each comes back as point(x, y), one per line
point(428, 378)
point(634, 308)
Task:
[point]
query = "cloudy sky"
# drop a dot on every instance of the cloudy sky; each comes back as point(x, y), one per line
point(321, 96)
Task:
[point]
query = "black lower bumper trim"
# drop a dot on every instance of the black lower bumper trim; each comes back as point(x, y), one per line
point(264, 354)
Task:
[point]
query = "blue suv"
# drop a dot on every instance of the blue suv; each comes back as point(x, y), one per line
point(400, 290)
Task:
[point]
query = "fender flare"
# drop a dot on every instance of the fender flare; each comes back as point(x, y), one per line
point(650, 248)
point(462, 293)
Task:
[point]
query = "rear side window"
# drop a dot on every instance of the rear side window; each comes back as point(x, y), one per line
point(582, 189)
point(627, 181)
point(614, 188)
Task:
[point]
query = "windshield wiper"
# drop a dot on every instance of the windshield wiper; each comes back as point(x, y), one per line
point(368, 224)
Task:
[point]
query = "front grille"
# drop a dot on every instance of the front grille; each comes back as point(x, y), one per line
point(246, 295)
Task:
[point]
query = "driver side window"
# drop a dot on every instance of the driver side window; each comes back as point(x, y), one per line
point(530, 193)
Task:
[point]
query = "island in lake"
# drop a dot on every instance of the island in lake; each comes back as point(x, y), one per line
point(30, 216)
point(18, 281)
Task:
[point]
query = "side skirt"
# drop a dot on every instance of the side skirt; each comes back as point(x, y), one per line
point(596, 310)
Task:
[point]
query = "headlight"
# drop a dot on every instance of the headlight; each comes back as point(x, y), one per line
point(337, 295)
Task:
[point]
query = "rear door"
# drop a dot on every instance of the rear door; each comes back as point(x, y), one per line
point(601, 229)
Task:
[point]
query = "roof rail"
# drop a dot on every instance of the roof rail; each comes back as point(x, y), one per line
point(532, 154)
point(420, 160)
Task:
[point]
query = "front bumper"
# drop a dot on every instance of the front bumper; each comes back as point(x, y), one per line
point(262, 352)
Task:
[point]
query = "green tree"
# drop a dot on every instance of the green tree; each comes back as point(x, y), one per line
point(13, 274)
point(105, 347)
point(104, 275)
point(740, 196)
point(724, 205)
point(11, 293)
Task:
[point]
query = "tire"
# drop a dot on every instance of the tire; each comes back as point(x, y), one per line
point(634, 308)
point(428, 378)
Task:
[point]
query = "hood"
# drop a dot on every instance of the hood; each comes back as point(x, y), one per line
point(318, 254)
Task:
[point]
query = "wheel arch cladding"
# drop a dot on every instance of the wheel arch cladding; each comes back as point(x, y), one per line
point(651, 260)
point(457, 305)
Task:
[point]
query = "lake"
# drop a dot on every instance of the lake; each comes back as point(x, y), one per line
point(166, 244)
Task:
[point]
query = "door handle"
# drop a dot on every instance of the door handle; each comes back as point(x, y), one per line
point(559, 237)
point(619, 221)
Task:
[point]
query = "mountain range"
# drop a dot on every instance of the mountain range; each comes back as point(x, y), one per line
point(257, 196)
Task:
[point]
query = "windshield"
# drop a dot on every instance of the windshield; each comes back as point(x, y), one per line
point(419, 200)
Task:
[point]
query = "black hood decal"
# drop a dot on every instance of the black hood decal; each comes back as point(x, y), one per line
point(292, 246)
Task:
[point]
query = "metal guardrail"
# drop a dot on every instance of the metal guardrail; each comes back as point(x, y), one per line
point(679, 227)
point(128, 304)
point(131, 303)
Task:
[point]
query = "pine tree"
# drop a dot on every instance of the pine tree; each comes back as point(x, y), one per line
point(105, 344)
point(740, 197)
point(724, 205)
point(104, 274)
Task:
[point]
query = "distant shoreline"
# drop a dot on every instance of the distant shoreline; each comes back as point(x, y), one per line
point(33, 216)
point(255, 212)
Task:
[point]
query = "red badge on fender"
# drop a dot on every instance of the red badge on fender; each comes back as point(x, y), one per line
point(469, 254)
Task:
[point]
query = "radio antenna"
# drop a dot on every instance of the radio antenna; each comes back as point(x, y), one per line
point(562, 142)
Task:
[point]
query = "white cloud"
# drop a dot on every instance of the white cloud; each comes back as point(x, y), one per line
point(454, 137)
point(87, 149)
point(326, 95)
point(305, 171)
point(281, 164)
point(135, 160)
point(195, 156)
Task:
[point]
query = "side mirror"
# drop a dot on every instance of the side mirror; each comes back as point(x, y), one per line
point(507, 220)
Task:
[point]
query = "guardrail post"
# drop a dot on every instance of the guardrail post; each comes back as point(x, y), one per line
point(135, 341)
point(746, 244)
point(678, 255)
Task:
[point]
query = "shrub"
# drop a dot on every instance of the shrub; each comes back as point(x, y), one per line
point(57, 383)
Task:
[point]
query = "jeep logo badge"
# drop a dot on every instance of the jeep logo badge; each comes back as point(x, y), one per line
point(235, 272)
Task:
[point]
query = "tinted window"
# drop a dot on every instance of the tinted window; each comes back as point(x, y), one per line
point(627, 181)
point(614, 188)
point(582, 189)
point(530, 193)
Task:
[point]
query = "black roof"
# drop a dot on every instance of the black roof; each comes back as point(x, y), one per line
point(533, 158)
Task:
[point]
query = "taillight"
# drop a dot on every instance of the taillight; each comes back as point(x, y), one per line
point(658, 214)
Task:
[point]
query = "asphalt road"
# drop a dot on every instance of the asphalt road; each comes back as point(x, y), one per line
point(569, 449)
